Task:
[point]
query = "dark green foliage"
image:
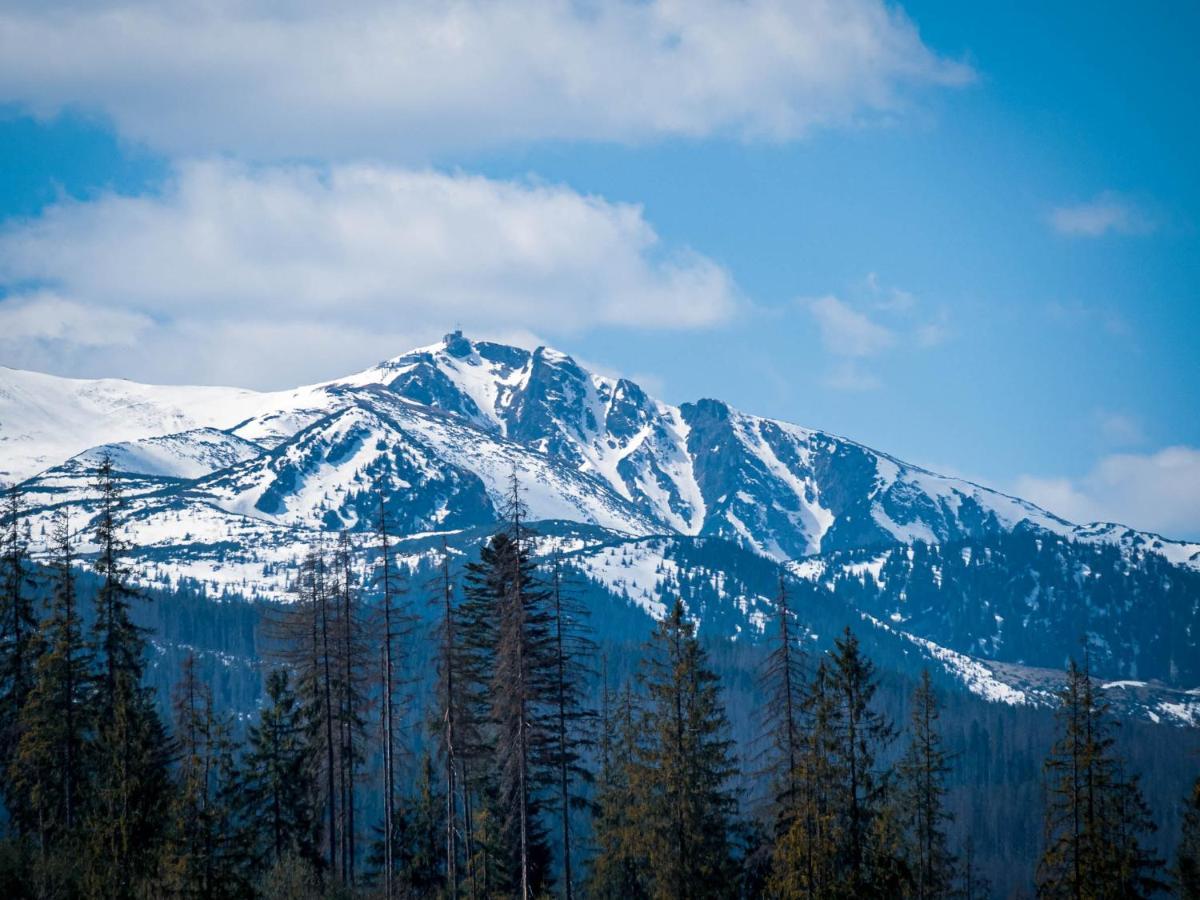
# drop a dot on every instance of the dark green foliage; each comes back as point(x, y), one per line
point(921, 795)
point(124, 824)
point(782, 685)
point(681, 776)
point(18, 648)
point(620, 868)
point(207, 855)
point(1095, 817)
point(50, 767)
point(278, 789)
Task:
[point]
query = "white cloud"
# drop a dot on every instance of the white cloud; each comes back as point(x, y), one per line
point(262, 276)
point(44, 318)
point(1107, 212)
point(1158, 492)
point(383, 79)
point(847, 332)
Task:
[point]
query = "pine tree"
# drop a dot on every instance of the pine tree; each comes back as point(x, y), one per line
point(50, 765)
point(806, 859)
point(1187, 856)
point(509, 665)
point(1094, 817)
point(306, 634)
point(351, 675)
point(573, 719)
point(859, 733)
point(386, 581)
point(922, 775)
point(18, 648)
point(419, 849)
point(278, 788)
point(454, 726)
point(619, 869)
point(131, 787)
point(782, 684)
point(207, 856)
point(682, 773)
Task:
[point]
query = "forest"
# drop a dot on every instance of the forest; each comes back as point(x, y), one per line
point(500, 753)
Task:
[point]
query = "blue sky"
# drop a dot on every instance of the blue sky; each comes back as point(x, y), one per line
point(965, 234)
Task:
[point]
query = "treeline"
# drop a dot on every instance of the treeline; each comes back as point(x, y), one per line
point(525, 772)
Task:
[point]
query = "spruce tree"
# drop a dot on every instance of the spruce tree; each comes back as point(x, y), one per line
point(387, 583)
point(806, 858)
point(859, 733)
point(573, 719)
point(51, 763)
point(278, 787)
point(1187, 856)
point(510, 662)
point(131, 787)
point(681, 779)
point(207, 856)
point(455, 729)
point(18, 649)
point(351, 675)
point(922, 775)
point(620, 869)
point(1094, 817)
point(782, 685)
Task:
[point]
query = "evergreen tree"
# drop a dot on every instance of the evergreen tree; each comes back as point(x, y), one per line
point(386, 581)
point(922, 775)
point(682, 773)
point(278, 788)
point(306, 632)
point(782, 684)
point(208, 858)
point(131, 788)
point(454, 729)
point(1187, 856)
point(1094, 817)
point(806, 859)
point(419, 842)
point(573, 719)
point(508, 633)
point(18, 648)
point(620, 870)
point(351, 675)
point(859, 733)
point(51, 763)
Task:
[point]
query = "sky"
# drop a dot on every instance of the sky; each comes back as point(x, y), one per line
point(965, 234)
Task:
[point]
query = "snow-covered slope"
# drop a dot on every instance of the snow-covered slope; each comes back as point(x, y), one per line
point(596, 449)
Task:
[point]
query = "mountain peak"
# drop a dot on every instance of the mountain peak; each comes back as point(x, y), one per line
point(457, 345)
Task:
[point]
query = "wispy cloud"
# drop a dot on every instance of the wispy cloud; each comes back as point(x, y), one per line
point(847, 332)
point(401, 80)
point(1103, 214)
point(1157, 492)
point(266, 276)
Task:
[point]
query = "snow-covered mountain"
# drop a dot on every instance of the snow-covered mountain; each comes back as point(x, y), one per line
point(226, 486)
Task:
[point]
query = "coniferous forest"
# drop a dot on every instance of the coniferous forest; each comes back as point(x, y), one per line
point(465, 734)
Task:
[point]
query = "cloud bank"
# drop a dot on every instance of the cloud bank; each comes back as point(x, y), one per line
point(1157, 492)
point(386, 80)
point(269, 276)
